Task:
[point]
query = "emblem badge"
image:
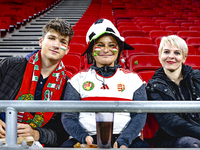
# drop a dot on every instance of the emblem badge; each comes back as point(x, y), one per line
point(120, 87)
point(88, 86)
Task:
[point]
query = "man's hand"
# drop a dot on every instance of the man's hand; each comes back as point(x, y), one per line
point(24, 130)
point(2, 129)
point(89, 140)
point(115, 145)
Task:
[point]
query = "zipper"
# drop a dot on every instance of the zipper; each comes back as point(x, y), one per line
point(179, 88)
point(173, 91)
point(193, 89)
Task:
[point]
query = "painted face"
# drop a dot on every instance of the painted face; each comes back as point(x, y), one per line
point(171, 58)
point(54, 46)
point(105, 51)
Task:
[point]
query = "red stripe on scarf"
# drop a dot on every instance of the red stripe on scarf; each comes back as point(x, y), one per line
point(52, 89)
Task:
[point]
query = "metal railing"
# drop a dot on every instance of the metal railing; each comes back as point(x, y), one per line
point(11, 108)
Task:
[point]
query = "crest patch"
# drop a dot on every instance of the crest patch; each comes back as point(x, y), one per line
point(88, 86)
point(120, 87)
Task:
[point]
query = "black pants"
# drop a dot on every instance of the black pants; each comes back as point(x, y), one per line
point(137, 142)
point(173, 142)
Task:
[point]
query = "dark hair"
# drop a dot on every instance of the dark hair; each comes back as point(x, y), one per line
point(59, 25)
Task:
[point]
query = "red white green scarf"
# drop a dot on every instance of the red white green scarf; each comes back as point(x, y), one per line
point(52, 89)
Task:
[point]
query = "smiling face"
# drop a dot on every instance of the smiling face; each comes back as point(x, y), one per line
point(105, 51)
point(54, 46)
point(171, 58)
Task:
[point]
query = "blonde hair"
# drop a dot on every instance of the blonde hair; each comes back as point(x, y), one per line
point(174, 40)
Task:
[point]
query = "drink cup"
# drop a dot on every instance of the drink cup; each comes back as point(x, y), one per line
point(104, 127)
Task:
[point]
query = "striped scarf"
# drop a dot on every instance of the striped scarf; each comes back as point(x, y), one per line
point(52, 89)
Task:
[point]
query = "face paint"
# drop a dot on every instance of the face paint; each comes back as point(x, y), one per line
point(96, 50)
point(63, 47)
point(115, 49)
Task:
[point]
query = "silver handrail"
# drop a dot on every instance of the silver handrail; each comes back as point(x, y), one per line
point(12, 107)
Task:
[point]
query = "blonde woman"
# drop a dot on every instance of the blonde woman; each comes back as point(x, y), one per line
point(176, 82)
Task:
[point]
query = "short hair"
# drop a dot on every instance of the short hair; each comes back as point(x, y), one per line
point(174, 40)
point(59, 25)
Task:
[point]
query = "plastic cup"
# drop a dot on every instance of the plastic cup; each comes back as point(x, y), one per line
point(104, 127)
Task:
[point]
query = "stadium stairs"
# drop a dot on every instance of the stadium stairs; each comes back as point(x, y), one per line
point(26, 39)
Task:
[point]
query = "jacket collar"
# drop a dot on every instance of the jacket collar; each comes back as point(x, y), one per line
point(106, 71)
point(186, 70)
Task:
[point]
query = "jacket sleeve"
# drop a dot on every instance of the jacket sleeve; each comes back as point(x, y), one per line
point(53, 134)
point(172, 123)
point(137, 121)
point(70, 121)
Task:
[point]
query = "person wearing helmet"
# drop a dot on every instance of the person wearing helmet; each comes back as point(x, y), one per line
point(105, 80)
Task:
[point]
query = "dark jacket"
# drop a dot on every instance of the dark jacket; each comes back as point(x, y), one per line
point(160, 88)
point(71, 120)
point(11, 75)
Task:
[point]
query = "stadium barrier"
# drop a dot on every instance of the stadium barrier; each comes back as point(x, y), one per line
point(11, 108)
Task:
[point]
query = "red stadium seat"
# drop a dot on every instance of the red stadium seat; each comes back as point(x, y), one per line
point(141, 49)
point(159, 21)
point(81, 27)
point(142, 20)
point(182, 21)
point(78, 49)
point(127, 33)
point(195, 28)
point(186, 34)
point(72, 63)
point(154, 34)
point(147, 29)
point(193, 61)
point(165, 24)
point(138, 40)
point(137, 63)
point(125, 23)
point(192, 50)
point(175, 29)
point(197, 22)
point(122, 28)
point(79, 39)
point(150, 127)
point(157, 41)
point(187, 25)
point(141, 24)
point(5, 23)
point(80, 32)
point(194, 42)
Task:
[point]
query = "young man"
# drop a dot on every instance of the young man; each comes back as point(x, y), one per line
point(39, 76)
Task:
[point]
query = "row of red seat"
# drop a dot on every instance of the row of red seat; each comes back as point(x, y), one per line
point(97, 10)
point(14, 13)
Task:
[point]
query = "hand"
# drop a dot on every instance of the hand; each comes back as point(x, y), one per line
point(24, 130)
point(2, 129)
point(89, 140)
point(115, 145)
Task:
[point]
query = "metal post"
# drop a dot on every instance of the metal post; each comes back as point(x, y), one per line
point(11, 127)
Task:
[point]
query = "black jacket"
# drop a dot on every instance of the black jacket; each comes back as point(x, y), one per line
point(11, 75)
point(162, 88)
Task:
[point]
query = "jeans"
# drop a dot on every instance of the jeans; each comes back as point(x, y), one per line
point(187, 142)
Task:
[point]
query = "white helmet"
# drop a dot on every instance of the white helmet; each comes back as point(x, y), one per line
point(101, 27)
